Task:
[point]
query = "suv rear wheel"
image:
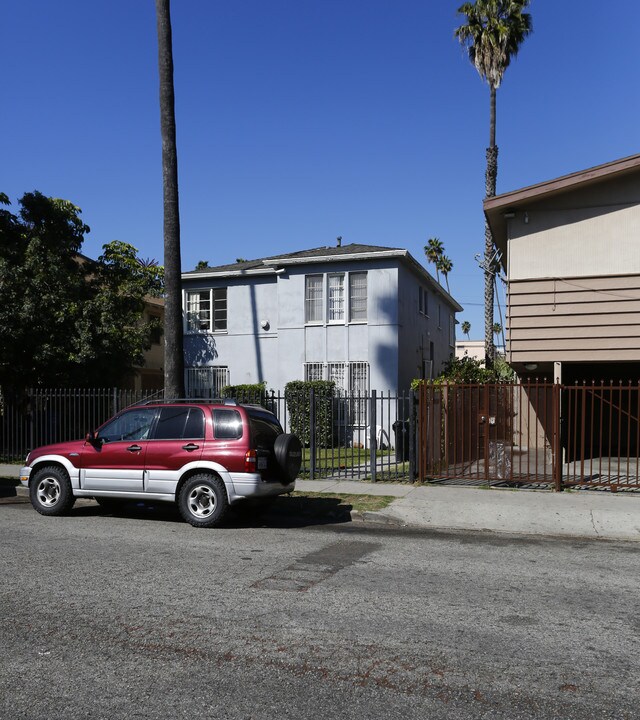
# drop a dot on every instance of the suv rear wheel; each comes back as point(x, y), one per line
point(203, 501)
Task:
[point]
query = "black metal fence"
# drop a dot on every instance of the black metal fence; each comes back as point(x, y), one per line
point(369, 436)
point(45, 416)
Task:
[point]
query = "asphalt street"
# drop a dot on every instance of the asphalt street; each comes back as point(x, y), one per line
point(138, 615)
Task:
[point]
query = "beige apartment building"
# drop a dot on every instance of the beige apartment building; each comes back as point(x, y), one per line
point(571, 251)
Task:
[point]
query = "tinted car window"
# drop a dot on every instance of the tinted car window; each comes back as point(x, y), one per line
point(227, 424)
point(194, 429)
point(178, 423)
point(265, 428)
point(133, 424)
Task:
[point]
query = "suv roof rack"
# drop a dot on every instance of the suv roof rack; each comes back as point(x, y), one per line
point(177, 401)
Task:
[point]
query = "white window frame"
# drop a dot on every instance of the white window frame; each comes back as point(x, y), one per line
point(209, 320)
point(335, 298)
point(313, 305)
point(329, 298)
point(354, 299)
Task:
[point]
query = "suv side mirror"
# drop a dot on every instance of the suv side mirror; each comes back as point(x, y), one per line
point(92, 438)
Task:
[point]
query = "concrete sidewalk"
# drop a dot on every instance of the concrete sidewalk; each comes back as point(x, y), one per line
point(585, 514)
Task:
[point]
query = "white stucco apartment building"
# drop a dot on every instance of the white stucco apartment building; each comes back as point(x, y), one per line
point(367, 317)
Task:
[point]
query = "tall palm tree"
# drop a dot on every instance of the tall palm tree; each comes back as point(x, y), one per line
point(445, 265)
point(434, 250)
point(173, 343)
point(493, 32)
point(466, 328)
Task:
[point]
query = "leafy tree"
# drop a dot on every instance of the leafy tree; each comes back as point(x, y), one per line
point(202, 265)
point(66, 320)
point(493, 32)
point(466, 328)
point(173, 345)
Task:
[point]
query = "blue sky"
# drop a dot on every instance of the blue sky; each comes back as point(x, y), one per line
point(302, 120)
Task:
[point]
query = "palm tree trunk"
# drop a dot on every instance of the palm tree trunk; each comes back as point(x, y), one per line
point(173, 338)
point(491, 176)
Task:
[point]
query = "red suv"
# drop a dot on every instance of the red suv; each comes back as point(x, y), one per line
point(202, 455)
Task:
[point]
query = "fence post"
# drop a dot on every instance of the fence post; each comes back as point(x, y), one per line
point(312, 434)
point(557, 436)
point(115, 401)
point(412, 435)
point(372, 435)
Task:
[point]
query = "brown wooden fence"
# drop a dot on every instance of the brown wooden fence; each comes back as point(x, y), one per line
point(530, 433)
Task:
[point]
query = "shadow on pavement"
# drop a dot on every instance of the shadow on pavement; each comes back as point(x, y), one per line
point(284, 512)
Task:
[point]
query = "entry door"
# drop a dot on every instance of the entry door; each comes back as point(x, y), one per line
point(116, 460)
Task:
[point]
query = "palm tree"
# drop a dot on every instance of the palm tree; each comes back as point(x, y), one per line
point(434, 250)
point(498, 331)
point(446, 266)
point(173, 344)
point(492, 33)
point(466, 328)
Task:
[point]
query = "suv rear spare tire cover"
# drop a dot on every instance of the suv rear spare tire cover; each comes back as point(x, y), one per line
point(288, 452)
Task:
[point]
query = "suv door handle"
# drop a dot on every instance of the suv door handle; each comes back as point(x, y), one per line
point(190, 447)
point(134, 448)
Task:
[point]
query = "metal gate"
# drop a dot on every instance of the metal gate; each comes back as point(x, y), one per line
point(489, 434)
point(531, 433)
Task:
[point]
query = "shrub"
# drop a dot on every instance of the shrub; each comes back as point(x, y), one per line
point(298, 398)
point(254, 393)
point(471, 370)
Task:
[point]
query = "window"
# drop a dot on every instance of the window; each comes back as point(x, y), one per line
point(227, 424)
point(198, 311)
point(420, 304)
point(179, 423)
point(207, 310)
point(206, 382)
point(357, 297)
point(339, 306)
point(439, 316)
point(131, 425)
point(336, 372)
point(313, 371)
point(313, 299)
point(359, 387)
point(452, 331)
point(219, 298)
point(336, 298)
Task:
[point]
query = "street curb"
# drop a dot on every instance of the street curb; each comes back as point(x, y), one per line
point(377, 518)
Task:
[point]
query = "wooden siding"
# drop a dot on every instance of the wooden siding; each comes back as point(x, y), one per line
point(574, 319)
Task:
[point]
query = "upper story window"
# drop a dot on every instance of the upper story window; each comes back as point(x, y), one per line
point(336, 297)
point(357, 296)
point(207, 310)
point(423, 301)
point(313, 298)
point(339, 305)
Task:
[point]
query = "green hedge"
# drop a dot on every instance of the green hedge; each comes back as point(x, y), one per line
point(254, 393)
point(298, 398)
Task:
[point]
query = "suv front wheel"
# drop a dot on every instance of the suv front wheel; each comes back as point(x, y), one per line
point(203, 501)
point(50, 491)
